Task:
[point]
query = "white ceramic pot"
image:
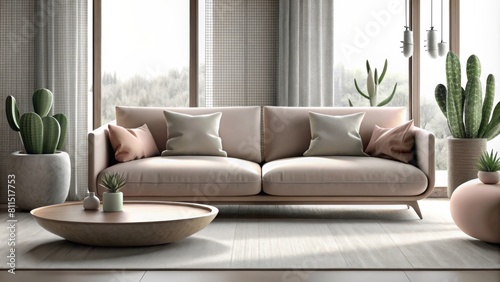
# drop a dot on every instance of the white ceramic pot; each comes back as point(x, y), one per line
point(112, 202)
point(41, 179)
point(489, 177)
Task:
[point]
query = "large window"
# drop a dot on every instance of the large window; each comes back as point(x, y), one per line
point(478, 21)
point(373, 34)
point(433, 73)
point(145, 54)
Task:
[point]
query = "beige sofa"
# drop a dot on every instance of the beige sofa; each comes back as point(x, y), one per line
point(265, 164)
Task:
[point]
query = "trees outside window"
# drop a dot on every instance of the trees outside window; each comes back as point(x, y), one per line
point(145, 54)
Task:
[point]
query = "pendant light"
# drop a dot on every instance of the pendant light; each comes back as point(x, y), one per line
point(432, 45)
point(442, 46)
point(408, 36)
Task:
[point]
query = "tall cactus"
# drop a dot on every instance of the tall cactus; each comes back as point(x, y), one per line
point(474, 98)
point(40, 134)
point(488, 104)
point(456, 100)
point(372, 83)
point(467, 115)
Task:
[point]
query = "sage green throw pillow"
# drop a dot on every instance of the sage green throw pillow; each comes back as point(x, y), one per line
point(193, 135)
point(335, 135)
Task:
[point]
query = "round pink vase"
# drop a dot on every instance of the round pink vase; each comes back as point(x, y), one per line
point(475, 208)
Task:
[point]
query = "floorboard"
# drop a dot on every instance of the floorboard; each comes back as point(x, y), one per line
point(251, 276)
point(295, 243)
point(440, 243)
point(365, 244)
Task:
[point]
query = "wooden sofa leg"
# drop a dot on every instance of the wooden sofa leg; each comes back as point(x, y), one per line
point(415, 206)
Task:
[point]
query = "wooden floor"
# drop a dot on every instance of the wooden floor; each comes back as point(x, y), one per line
point(252, 276)
point(279, 239)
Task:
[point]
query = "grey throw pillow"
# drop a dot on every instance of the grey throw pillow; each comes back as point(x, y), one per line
point(193, 135)
point(335, 135)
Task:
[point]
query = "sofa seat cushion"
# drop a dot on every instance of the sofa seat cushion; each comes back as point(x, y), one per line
point(342, 176)
point(189, 176)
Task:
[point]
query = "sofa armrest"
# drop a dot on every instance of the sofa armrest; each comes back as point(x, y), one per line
point(100, 154)
point(425, 155)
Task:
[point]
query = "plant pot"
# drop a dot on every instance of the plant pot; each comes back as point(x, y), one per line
point(112, 202)
point(41, 180)
point(475, 209)
point(463, 154)
point(489, 177)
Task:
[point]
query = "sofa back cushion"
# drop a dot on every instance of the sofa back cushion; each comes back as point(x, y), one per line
point(239, 126)
point(287, 132)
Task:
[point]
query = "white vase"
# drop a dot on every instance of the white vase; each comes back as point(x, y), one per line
point(489, 177)
point(91, 202)
point(112, 202)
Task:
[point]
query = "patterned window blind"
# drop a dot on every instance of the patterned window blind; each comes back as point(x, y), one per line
point(241, 52)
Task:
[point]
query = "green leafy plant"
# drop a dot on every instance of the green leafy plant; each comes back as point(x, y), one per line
point(113, 182)
point(488, 162)
point(467, 115)
point(372, 84)
point(40, 133)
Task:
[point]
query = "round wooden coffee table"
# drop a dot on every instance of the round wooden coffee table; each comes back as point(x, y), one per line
point(140, 223)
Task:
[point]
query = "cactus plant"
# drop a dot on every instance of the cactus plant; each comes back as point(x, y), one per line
point(40, 134)
point(31, 126)
point(51, 133)
point(372, 84)
point(63, 123)
point(467, 115)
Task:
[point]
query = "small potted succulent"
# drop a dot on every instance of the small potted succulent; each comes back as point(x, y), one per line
point(112, 200)
point(488, 166)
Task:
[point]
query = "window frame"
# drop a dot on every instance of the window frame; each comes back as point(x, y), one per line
point(97, 55)
point(413, 61)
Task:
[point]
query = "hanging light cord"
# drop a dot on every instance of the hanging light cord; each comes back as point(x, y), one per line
point(432, 26)
point(442, 21)
point(406, 14)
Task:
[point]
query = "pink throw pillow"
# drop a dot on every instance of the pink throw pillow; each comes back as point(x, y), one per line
point(132, 143)
point(392, 143)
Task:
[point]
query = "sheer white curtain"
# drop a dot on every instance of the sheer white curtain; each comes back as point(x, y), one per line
point(305, 76)
point(61, 66)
